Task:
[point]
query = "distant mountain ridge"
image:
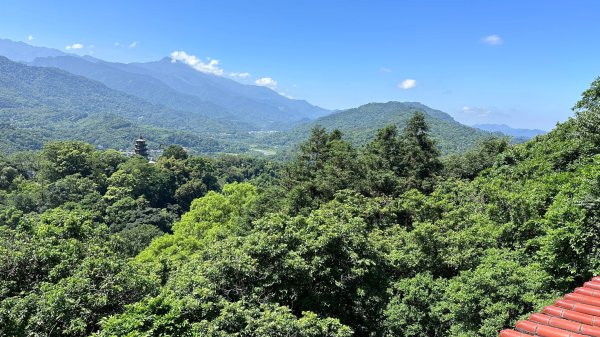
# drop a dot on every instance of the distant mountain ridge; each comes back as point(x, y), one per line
point(509, 131)
point(23, 52)
point(178, 86)
point(143, 86)
point(38, 104)
point(54, 95)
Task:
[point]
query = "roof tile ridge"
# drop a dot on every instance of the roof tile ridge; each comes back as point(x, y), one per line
point(577, 306)
point(556, 311)
point(589, 300)
point(545, 330)
point(565, 324)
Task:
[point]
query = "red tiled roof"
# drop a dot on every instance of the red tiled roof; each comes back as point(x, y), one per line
point(575, 315)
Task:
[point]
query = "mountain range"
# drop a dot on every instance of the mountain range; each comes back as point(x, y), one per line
point(48, 103)
point(507, 130)
point(47, 94)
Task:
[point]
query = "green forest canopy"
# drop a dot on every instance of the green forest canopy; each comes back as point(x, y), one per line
point(388, 239)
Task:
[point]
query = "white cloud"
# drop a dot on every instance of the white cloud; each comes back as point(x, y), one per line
point(134, 44)
point(385, 70)
point(266, 82)
point(212, 67)
point(30, 37)
point(407, 84)
point(74, 46)
point(492, 40)
point(117, 44)
point(476, 111)
point(240, 75)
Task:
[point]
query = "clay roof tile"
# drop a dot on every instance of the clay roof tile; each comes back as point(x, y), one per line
point(575, 315)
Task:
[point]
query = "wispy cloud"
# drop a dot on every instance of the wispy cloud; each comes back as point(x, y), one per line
point(266, 82)
point(212, 67)
point(385, 70)
point(30, 38)
point(286, 95)
point(117, 44)
point(492, 40)
point(134, 44)
point(408, 83)
point(239, 75)
point(74, 46)
point(476, 111)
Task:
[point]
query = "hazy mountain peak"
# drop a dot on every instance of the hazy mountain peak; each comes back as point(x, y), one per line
point(510, 131)
point(23, 52)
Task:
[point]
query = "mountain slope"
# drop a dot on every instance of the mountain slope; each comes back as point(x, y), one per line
point(143, 86)
point(179, 87)
point(22, 52)
point(507, 130)
point(361, 124)
point(251, 103)
point(53, 104)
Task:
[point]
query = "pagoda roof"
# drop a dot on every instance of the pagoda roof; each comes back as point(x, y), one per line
point(575, 315)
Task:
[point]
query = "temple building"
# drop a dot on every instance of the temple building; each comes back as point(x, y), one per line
point(140, 147)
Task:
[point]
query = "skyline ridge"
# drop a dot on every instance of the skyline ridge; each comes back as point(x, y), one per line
point(52, 53)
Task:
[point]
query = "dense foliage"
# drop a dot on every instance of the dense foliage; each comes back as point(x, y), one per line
point(388, 239)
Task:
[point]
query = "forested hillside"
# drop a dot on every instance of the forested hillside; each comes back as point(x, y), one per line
point(388, 239)
point(360, 125)
point(38, 104)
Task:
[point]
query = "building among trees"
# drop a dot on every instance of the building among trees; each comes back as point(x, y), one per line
point(140, 147)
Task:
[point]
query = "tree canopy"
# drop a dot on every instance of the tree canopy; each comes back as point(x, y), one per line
point(387, 239)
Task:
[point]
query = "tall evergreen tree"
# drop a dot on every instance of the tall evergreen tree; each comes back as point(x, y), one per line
point(384, 163)
point(325, 164)
point(420, 154)
point(587, 110)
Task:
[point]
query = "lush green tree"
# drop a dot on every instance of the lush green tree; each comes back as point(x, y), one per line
point(384, 163)
point(420, 154)
point(136, 178)
point(494, 295)
point(469, 164)
point(73, 188)
point(413, 310)
point(326, 164)
point(127, 213)
point(174, 151)
point(194, 177)
point(8, 173)
point(64, 158)
point(587, 110)
point(59, 275)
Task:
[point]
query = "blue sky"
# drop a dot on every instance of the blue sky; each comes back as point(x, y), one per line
point(523, 63)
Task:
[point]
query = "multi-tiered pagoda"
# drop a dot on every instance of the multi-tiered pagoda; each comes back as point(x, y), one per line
point(140, 147)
